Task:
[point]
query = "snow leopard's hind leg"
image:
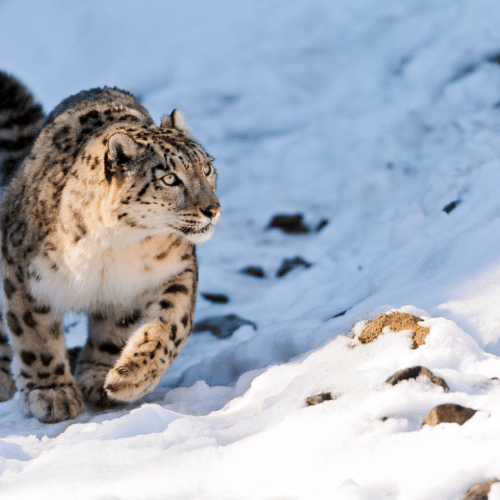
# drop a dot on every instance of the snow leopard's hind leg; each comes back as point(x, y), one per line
point(7, 385)
point(40, 365)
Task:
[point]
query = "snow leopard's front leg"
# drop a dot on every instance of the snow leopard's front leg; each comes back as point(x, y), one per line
point(108, 334)
point(40, 365)
point(152, 347)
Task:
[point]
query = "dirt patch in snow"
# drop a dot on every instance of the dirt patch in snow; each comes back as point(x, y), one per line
point(396, 322)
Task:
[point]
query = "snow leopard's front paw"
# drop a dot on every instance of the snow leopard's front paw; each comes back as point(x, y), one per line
point(91, 382)
point(138, 370)
point(53, 404)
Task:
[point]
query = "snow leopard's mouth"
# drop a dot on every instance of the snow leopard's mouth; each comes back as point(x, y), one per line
point(198, 234)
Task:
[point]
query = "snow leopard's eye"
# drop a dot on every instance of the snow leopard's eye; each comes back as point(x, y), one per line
point(171, 180)
point(207, 169)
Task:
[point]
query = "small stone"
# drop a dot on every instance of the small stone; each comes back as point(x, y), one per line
point(255, 271)
point(338, 315)
point(451, 206)
point(289, 264)
point(397, 322)
point(222, 326)
point(216, 298)
point(449, 413)
point(413, 373)
point(290, 224)
point(319, 398)
point(321, 224)
point(479, 491)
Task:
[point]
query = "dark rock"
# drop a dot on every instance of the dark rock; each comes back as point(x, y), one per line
point(341, 313)
point(413, 373)
point(322, 224)
point(222, 326)
point(479, 491)
point(448, 413)
point(494, 58)
point(319, 398)
point(255, 271)
point(451, 206)
point(290, 224)
point(216, 298)
point(289, 264)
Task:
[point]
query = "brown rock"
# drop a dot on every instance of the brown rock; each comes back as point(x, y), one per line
point(448, 413)
point(414, 372)
point(479, 491)
point(396, 322)
point(319, 398)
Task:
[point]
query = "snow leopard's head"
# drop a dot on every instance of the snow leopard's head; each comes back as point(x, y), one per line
point(161, 180)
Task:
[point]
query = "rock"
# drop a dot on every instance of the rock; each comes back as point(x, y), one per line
point(396, 322)
point(338, 315)
point(321, 224)
point(413, 373)
point(216, 298)
point(448, 413)
point(255, 271)
point(451, 206)
point(319, 398)
point(290, 224)
point(294, 224)
point(479, 491)
point(289, 264)
point(222, 326)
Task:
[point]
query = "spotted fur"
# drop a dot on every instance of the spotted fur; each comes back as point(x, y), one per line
point(102, 217)
point(21, 120)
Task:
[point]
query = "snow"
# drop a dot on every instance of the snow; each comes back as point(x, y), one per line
point(374, 115)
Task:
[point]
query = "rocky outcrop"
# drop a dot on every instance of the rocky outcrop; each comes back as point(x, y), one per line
point(479, 491)
point(413, 373)
point(448, 413)
point(397, 322)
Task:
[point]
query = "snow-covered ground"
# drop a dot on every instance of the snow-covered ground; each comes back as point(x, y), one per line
point(374, 115)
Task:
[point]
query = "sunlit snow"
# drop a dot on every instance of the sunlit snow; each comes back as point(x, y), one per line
point(381, 117)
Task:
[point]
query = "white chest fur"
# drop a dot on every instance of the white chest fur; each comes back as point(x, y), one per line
point(95, 272)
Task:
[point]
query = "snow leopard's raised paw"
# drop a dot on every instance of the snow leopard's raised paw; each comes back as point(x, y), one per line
point(134, 375)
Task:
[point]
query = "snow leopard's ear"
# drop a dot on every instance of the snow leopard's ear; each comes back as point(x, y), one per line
point(175, 120)
point(122, 149)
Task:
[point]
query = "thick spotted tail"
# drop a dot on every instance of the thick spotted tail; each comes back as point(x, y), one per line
point(21, 119)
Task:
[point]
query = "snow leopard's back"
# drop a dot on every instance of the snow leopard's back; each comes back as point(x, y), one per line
point(21, 119)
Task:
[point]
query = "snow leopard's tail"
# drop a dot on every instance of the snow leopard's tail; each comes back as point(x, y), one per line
point(21, 119)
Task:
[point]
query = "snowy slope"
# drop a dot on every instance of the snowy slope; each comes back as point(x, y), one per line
point(374, 115)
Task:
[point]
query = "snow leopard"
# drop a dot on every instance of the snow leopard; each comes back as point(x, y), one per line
point(101, 217)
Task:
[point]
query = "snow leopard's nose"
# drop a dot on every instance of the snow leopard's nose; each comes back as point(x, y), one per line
point(211, 211)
